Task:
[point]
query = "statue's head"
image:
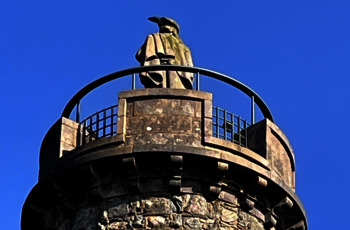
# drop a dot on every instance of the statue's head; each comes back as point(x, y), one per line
point(166, 25)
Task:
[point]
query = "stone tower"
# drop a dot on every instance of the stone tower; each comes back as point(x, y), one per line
point(164, 159)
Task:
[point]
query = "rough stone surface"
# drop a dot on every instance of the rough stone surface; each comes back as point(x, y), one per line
point(157, 205)
point(195, 204)
point(159, 124)
point(280, 160)
point(184, 212)
point(228, 197)
point(163, 139)
point(161, 92)
point(163, 121)
point(266, 139)
point(177, 107)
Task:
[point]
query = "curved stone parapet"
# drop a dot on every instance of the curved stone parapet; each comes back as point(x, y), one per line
point(165, 170)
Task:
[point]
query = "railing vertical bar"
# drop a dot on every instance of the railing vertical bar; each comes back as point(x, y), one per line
point(225, 126)
point(246, 133)
point(84, 132)
point(217, 123)
point(239, 131)
point(231, 123)
point(97, 124)
point(213, 118)
point(77, 119)
point(252, 121)
point(112, 118)
point(104, 123)
point(133, 81)
point(90, 131)
point(197, 81)
point(77, 115)
point(233, 128)
point(78, 135)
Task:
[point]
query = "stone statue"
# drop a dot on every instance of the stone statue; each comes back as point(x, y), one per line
point(165, 48)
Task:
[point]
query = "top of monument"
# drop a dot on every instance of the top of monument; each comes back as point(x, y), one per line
point(165, 21)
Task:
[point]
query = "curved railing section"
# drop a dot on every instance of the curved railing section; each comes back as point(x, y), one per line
point(99, 125)
point(255, 98)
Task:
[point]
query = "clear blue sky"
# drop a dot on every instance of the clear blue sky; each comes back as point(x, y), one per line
point(295, 54)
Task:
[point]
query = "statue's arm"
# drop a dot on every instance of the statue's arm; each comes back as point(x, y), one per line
point(141, 53)
point(146, 51)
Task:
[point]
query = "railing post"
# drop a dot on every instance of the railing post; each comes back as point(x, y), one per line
point(252, 111)
point(245, 134)
point(97, 124)
point(217, 122)
point(133, 81)
point(83, 139)
point(225, 125)
point(77, 119)
point(239, 130)
point(197, 81)
point(77, 114)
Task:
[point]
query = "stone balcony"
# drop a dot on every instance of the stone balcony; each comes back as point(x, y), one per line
point(175, 120)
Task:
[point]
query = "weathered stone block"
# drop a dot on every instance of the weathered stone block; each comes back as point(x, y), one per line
point(163, 92)
point(195, 204)
point(163, 139)
point(158, 205)
point(228, 216)
point(164, 106)
point(159, 124)
point(255, 224)
point(208, 109)
point(208, 127)
point(198, 109)
point(122, 108)
point(228, 197)
point(193, 223)
point(118, 225)
point(155, 222)
point(121, 125)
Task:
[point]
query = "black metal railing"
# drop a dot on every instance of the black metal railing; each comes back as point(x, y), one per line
point(229, 126)
point(226, 125)
point(256, 100)
point(99, 125)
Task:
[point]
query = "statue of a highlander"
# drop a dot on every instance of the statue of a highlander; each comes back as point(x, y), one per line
point(165, 48)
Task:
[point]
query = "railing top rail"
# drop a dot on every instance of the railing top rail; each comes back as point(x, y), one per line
point(209, 73)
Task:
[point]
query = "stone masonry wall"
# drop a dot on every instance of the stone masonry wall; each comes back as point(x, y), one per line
point(187, 211)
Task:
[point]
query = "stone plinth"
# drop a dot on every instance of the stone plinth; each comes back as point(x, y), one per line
point(164, 169)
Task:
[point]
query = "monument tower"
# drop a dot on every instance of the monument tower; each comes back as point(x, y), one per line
point(165, 157)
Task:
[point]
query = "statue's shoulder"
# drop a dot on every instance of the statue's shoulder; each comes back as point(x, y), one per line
point(152, 36)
